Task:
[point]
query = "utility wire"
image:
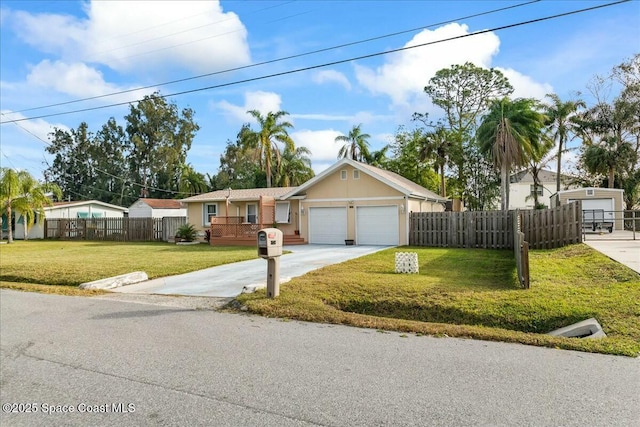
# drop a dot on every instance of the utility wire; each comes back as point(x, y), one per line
point(326, 64)
point(286, 58)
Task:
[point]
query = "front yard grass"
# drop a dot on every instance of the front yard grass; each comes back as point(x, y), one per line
point(70, 263)
point(472, 293)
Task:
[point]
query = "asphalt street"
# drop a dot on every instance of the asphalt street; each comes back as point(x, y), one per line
point(145, 364)
point(228, 280)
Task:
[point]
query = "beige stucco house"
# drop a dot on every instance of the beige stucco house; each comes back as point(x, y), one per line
point(349, 201)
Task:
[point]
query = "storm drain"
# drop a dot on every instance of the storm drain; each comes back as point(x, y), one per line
point(589, 328)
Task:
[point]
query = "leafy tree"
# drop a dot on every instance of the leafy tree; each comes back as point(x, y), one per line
point(482, 184)
point(511, 132)
point(192, 182)
point(295, 167)
point(273, 130)
point(538, 159)
point(356, 146)
point(562, 122)
point(19, 191)
point(463, 92)
point(238, 166)
point(378, 158)
point(406, 160)
point(159, 138)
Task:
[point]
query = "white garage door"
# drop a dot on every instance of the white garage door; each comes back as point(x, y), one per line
point(328, 225)
point(598, 204)
point(377, 225)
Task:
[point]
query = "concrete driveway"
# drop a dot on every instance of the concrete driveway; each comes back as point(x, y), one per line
point(626, 252)
point(228, 280)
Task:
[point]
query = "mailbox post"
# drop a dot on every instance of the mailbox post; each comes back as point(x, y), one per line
point(270, 248)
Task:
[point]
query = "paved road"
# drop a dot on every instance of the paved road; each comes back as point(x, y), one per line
point(229, 279)
point(199, 367)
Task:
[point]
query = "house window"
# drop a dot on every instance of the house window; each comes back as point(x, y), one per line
point(252, 213)
point(356, 174)
point(532, 190)
point(283, 213)
point(343, 175)
point(83, 214)
point(210, 210)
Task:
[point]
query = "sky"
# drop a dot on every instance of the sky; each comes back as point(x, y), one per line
point(322, 61)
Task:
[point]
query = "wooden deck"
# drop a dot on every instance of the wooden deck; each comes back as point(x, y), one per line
point(233, 233)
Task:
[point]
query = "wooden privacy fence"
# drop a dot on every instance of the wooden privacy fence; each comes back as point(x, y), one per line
point(115, 229)
point(542, 229)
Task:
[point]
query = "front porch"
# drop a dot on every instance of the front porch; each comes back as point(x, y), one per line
point(230, 231)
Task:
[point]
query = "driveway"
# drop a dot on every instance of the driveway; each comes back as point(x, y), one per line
point(626, 252)
point(228, 280)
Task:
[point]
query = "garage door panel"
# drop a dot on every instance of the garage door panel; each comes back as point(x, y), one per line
point(327, 225)
point(377, 225)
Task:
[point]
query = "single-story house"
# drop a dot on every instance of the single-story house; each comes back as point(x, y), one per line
point(157, 208)
point(608, 200)
point(82, 209)
point(349, 201)
point(521, 188)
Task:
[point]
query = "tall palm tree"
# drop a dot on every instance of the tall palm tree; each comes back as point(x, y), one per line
point(437, 145)
point(510, 131)
point(19, 191)
point(377, 158)
point(562, 121)
point(538, 159)
point(295, 167)
point(273, 130)
point(356, 146)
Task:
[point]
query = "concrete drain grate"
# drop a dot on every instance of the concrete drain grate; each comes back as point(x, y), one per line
point(589, 328)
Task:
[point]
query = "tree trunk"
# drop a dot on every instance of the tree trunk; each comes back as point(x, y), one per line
point(443, 185)
point(9, 224)
point(504, 187)
point(612, 174)
point(559, 166)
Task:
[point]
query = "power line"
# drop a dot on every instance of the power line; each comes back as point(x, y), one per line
point(327, 64)
point(286, 58)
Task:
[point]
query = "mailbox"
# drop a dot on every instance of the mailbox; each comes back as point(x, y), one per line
point(269, 243)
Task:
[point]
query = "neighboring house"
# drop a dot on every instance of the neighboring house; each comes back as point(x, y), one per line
point(83, 209)
point(521, 188)
point(157, 208)
point(348, 201)
point(608, 200)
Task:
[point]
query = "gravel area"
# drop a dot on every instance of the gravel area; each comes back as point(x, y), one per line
point(187, 302)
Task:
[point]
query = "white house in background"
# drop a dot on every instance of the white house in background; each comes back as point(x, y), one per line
point(521, 188)
point(83, 209)
point(157, 208)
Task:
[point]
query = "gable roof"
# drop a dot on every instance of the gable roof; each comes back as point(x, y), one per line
point(84, 203)
point(545, 176)
point(162, 203)
point(392, 179)
point(248, 194)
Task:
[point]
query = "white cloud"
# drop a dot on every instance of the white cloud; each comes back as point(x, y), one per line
point(324, 149)
point(78, 80)
point(142, 35)
point(332, 76)
point(36, 128)
point(406, 73)
point(525, 86)
point(264, 102)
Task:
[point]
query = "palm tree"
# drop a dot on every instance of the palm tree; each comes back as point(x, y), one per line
point(437, 145)
point(19, 191)
point(562, 121)
point(294, 168)
point(356, 145)
point(191, 182)
point(608, 157)
point(272, 130)
point(510, 131)
point(538, 159)
point(377, 158)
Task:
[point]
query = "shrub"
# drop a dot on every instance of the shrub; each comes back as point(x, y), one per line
point(187, 232)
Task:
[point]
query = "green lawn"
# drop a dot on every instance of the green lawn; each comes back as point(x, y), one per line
point(472, 293)
point(70, 263)
point(459, 292)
